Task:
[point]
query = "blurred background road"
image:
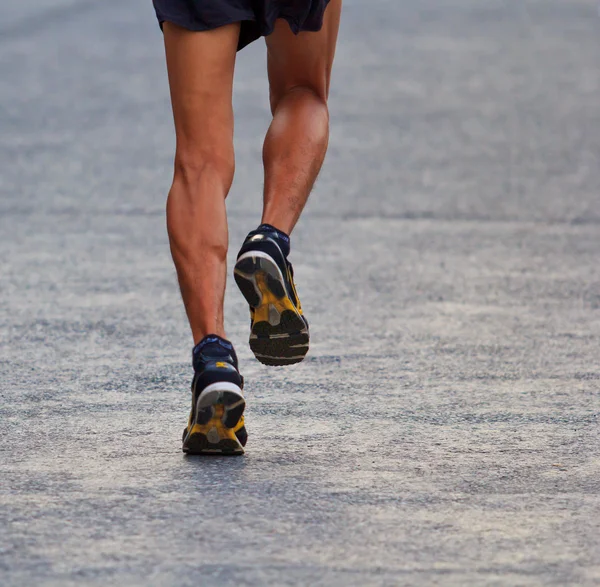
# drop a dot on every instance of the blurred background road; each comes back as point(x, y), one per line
point(445, 432)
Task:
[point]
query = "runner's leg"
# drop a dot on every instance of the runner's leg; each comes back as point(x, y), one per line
point(295, 146)
point(200, 66)
point(299, 72)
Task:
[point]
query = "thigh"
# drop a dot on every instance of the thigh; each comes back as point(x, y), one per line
point(305, 59)
point(200, 67)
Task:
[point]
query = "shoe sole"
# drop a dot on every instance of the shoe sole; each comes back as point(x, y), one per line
point(279, 335)
point(218, 411)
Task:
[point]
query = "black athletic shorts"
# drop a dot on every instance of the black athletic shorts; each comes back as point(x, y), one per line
point(257, 16)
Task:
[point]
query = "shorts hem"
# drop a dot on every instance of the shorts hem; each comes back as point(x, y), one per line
point(251, 29)
point(199, 26)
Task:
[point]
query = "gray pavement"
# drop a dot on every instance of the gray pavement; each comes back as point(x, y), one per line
point(444, 428)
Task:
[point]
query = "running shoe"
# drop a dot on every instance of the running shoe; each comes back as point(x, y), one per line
point(278, 330)
point(216, 423)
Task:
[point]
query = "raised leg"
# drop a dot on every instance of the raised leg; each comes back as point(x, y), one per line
point(200, 66)
point(295, 146)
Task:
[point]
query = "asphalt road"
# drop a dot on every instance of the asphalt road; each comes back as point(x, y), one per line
point(444, 428)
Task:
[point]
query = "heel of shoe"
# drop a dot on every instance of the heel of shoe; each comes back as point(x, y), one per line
point(218, 411)
point(279, 333)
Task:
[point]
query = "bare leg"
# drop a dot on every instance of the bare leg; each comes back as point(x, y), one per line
point(295, 146)
point(201, 69)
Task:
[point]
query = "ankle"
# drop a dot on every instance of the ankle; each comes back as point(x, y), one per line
point(200, 335)
point(282, 238)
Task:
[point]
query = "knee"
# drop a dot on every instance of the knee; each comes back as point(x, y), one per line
point(192, 167)
point(316, 94)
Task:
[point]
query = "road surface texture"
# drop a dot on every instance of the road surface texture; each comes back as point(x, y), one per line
point(444, 427)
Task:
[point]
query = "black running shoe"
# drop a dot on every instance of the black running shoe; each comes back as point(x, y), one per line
point(216, 423)
point(279, 330)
